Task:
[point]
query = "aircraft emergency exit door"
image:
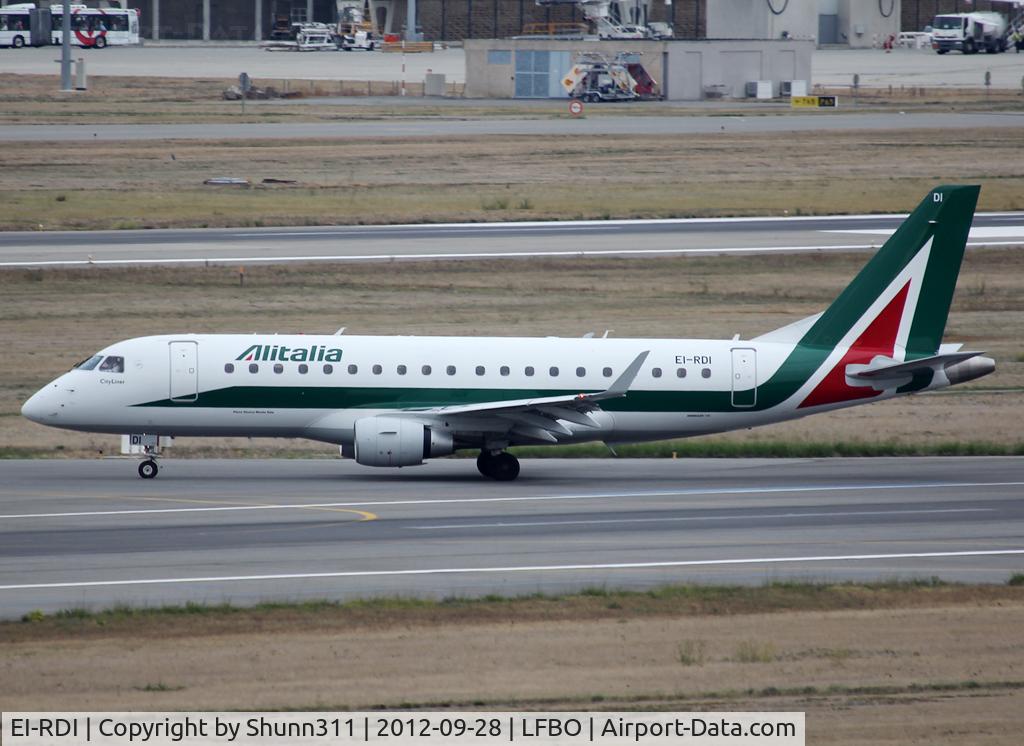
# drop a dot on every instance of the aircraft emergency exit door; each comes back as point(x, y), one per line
point(184, 371)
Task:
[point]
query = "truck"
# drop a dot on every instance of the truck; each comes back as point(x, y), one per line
point(970, 32)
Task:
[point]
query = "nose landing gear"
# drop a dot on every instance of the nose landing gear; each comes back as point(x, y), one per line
point(148, 469)
point(501, 466)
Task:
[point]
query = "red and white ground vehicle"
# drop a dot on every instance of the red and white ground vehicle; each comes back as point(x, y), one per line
point(96, 28)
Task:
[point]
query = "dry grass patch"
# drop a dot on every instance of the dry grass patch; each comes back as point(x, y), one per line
point(152, 184)
point(869, 664)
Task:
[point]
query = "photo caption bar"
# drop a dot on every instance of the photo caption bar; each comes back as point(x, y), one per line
point(433, 728)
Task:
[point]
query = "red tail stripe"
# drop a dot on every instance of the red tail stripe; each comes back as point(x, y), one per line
point(878, 339)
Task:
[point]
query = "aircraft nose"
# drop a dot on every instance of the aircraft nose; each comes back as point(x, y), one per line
point(41, 406)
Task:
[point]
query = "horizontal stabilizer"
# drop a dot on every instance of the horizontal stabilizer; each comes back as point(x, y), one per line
point(882, 369)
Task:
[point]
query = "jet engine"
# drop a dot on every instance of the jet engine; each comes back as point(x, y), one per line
point(398, 441)
point(968, 370)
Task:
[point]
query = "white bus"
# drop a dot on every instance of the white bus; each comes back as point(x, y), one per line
point(16, 25)
point(97, 27)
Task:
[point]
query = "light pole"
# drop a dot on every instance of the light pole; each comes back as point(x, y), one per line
point(65, 47)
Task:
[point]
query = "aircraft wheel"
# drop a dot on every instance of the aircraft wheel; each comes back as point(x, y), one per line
point(148, 469)
point(506, 467)
point(485, 464)
point(502, 467)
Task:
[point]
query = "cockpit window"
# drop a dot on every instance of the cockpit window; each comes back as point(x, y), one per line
point(113, 364)
point(89, 363)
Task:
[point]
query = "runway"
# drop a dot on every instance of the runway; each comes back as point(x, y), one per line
point(451, 127)
point(475, 240)
point(90, 533)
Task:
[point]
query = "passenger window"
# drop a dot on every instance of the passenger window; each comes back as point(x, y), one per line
point(504, 370)
point(303, 368)
point(328, 368)
point(89, 363)
point(553, 371)
point(353, 369)
point(529, 370)
point(450, 370)
point(254, 368)
point(656, 372)
point(681, 372)
point(480, 370)
point(377, 370)
point(607, 372)
point(229, 367)
point(426, 370)
point(402, 370)
point(581, 371)
point(706, 372)
point(113, 364)
point(278, 368)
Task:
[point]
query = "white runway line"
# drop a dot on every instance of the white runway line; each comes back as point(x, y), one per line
point(462, 255)
point(515, 569)
point(703, 518)
point(522, 498)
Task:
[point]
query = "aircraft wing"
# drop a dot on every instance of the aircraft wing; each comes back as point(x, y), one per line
point(538, 418)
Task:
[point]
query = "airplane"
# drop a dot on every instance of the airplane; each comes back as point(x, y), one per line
point(398, 401)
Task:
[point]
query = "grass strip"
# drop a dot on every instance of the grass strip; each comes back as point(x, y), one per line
point(590, 604)
point(671, 700)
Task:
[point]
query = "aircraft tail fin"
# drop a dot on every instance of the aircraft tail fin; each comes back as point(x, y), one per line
point(902, 296)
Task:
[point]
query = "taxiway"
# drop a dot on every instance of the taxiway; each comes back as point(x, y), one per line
point(476, 240)
point(89, 533)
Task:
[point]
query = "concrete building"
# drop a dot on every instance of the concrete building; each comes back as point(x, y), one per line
point(685, 70)
point(856, 23)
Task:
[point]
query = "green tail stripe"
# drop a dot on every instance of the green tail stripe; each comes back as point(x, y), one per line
point(951, 232)
point(946, 213)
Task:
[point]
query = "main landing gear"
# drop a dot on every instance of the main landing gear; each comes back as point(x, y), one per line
point(148, 469)
point(502, 466)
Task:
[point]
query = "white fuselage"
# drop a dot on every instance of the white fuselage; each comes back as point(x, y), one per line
point(318, 386)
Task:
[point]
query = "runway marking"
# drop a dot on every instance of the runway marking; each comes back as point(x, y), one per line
point(1007, 231)
point(678, 519)
point(462, 255)
point(471, 228)
point(516, 569)
point(523, 498)
point(367, 516)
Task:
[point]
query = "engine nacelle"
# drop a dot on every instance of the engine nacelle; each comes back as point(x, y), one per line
point(398, 441)
point(968, 370)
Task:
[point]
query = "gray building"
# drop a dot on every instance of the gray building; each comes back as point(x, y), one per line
point(855, 23)
point(684, 70)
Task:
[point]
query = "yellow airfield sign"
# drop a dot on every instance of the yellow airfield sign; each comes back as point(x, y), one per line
point(814, 102)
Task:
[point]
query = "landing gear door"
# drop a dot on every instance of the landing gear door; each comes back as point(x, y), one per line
point(744, 377)
point(184, 371)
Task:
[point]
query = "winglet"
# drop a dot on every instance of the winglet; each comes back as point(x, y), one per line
point(621, 385)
